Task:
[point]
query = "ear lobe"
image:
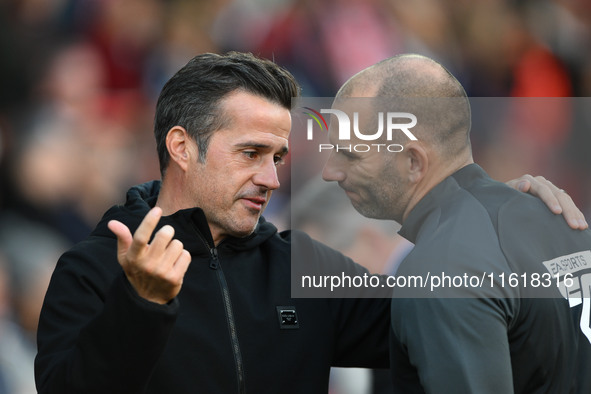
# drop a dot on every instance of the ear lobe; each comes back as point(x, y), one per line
point(177, 143)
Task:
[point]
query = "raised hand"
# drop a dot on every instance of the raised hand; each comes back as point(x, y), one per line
point(155, 269)
point(557, 200)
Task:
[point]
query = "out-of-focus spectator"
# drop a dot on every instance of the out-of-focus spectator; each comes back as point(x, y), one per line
point(28, 254)
point(58, 172)
point(324, 43)
point(6, 337)
point(124, 33)
point(428, 27)
point(186, 31)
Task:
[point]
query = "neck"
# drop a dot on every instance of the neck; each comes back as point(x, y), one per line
point(434, 176)
point(168, 199)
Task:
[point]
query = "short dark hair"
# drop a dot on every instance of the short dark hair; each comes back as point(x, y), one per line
point(191, 98)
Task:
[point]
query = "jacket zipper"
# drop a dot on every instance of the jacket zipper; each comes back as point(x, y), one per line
point(214, 264)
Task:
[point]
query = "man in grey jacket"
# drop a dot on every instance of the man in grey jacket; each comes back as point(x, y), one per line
point(506, 302)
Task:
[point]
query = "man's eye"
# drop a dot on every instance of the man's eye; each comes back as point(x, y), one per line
point(278, 160)
point(250, 154)
point(347, 155)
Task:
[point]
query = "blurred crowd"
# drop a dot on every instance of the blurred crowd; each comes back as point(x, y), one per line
point(79, 80)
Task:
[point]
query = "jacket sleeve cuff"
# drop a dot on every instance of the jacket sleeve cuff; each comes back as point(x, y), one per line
point(170, 307)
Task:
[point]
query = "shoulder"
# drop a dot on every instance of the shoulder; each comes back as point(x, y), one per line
point(92, 261)
point(530, 234)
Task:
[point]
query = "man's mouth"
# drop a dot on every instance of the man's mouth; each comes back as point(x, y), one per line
point(346, 190)
point(350, 193)
point(256, 203)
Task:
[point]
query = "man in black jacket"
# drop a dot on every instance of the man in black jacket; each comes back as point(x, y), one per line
point(186, 288)
point(506, 305)
point(225, 322)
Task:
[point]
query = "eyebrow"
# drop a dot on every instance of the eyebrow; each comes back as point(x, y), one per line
point(258, 145)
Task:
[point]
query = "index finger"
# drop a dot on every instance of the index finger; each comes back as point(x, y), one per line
point(556, 199)
point(142, 235)
point(571, 213)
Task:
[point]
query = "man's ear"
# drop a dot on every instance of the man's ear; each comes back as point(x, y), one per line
point(179, 148)
point(417, 161)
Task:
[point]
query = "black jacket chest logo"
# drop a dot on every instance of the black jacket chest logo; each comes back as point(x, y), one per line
point(288, 317)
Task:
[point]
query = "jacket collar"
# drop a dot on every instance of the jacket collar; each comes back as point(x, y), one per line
point(430, 203)
point(190, 224)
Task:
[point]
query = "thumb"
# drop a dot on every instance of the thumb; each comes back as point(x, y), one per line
point(124, 238)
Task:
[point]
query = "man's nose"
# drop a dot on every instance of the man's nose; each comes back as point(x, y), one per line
point(267, 175)
point(332, 171)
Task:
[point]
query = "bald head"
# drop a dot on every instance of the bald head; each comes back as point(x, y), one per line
point(425, 88)
point(406, 75)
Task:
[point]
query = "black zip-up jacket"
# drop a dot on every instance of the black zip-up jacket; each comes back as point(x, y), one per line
point(233, 328)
